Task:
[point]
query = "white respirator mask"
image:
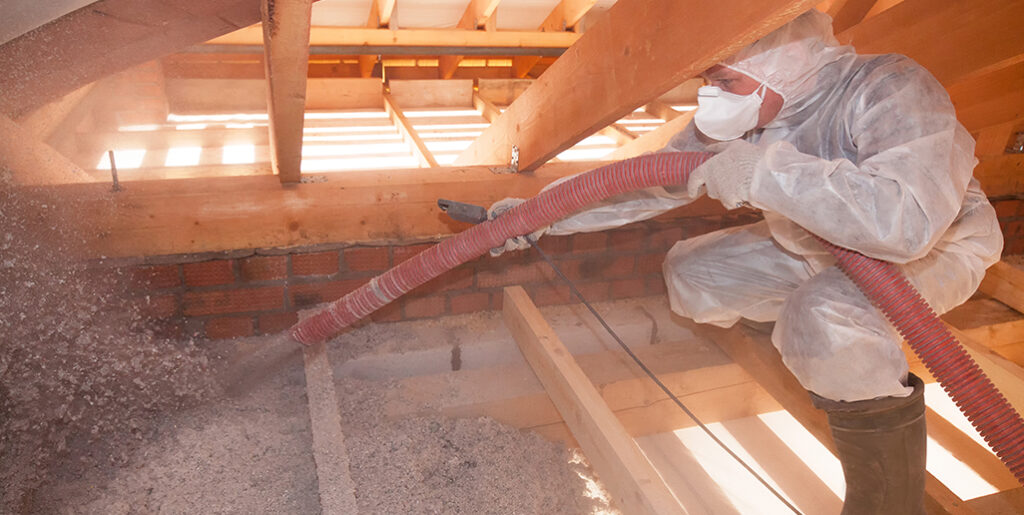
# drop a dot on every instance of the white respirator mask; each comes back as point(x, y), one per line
point(726, 116)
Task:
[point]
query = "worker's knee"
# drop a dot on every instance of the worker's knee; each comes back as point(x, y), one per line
point(837, 344)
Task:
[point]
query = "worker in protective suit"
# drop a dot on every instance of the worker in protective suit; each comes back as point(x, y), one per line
point(865, 152)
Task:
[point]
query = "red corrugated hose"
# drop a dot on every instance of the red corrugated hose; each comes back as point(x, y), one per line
point(999, 424)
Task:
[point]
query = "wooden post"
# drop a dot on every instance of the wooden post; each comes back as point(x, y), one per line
point(286, 50)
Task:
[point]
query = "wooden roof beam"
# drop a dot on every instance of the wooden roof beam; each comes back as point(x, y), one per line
point(380, 13)
point(847, 13)
point(479, 15)
point(564, 17)
point(285, 30)
point(620, 64)
point(954, 40)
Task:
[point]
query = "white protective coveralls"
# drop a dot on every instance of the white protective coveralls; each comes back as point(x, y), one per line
point(867, 153)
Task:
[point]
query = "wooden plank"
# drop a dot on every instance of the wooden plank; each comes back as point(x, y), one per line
point(32, 162)
point(453, 39)
point(623, 60)
point(970, 452)
point(285, 30)
point(431, 93)
point(620, 135)
point(337, 490)
point(652, 141)
point(760, 359)
point(850, 13)
point(478, 15)
point(977, 36)
point(106, 37)
point(618, 461)
point(249, 95)
point(1001, 175)
point(408, 132)
point(382, 11)
point(1009, 502)
point(689, 481)
point(990, 99)
point(489, 111)
point(1005, 283)
point(361, 208)
point(659, 109)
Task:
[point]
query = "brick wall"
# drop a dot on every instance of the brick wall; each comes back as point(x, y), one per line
point(249, 293)
point(244, 295)
point(1011, 220)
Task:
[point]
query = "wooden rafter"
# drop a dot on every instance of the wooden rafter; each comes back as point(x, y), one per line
point(564, 17)
point(847, 13)
point(954, 40)
point(631, 479)
point(408, 132)
point(380, 13)
point(285, 30)
point(488, 110)
point(623, 60)
point(479, 14)
point(104, 38)
point(1005, 283)
point(654, 140)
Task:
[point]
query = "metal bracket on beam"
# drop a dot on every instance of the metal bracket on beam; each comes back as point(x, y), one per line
point(513, 165)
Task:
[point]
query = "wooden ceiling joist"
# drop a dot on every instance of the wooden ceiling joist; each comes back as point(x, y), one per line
point(104, 38)
point(629, 476)
point(619, 65)
point(286, 45)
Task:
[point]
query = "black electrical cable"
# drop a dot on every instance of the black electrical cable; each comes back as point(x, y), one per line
point(657, 381)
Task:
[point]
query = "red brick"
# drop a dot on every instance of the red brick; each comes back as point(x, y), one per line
point(546, 295)
point(628, 240)
point(665, 237)
point(389, 313)
point(603, 267)
point(656, 285)
point(311, 294)
point(400, 254)
point(696, 226)
point(649, 263)
point(514, 274)
point(156, 277)
point(458, 279)
point(470, 302)
point(209, 273)
point(321, 263)
point(241, 300)
point(264, 268)
point(425, 307)
point(158, 306)
point(271, 323)
point(366, 259)
point(625, 288)
point(556, 244)
point(1008, 208)
point(228, 327)
point(590, 242)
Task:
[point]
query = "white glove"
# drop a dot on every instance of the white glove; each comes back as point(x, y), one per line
point(727, 175)
point(516, 243)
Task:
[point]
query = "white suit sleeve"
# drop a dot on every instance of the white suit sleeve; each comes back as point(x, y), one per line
point(633, 206)
point(914, 162)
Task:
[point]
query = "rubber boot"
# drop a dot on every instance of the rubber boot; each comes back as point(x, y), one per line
point(881, 445)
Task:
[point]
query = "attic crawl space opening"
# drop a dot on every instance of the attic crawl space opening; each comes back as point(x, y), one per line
point(182, 181)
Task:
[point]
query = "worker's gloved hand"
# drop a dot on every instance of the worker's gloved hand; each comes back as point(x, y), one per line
point(727, 175)
point(519, 242)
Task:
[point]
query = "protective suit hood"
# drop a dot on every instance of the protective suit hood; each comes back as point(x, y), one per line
point(792, 61)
